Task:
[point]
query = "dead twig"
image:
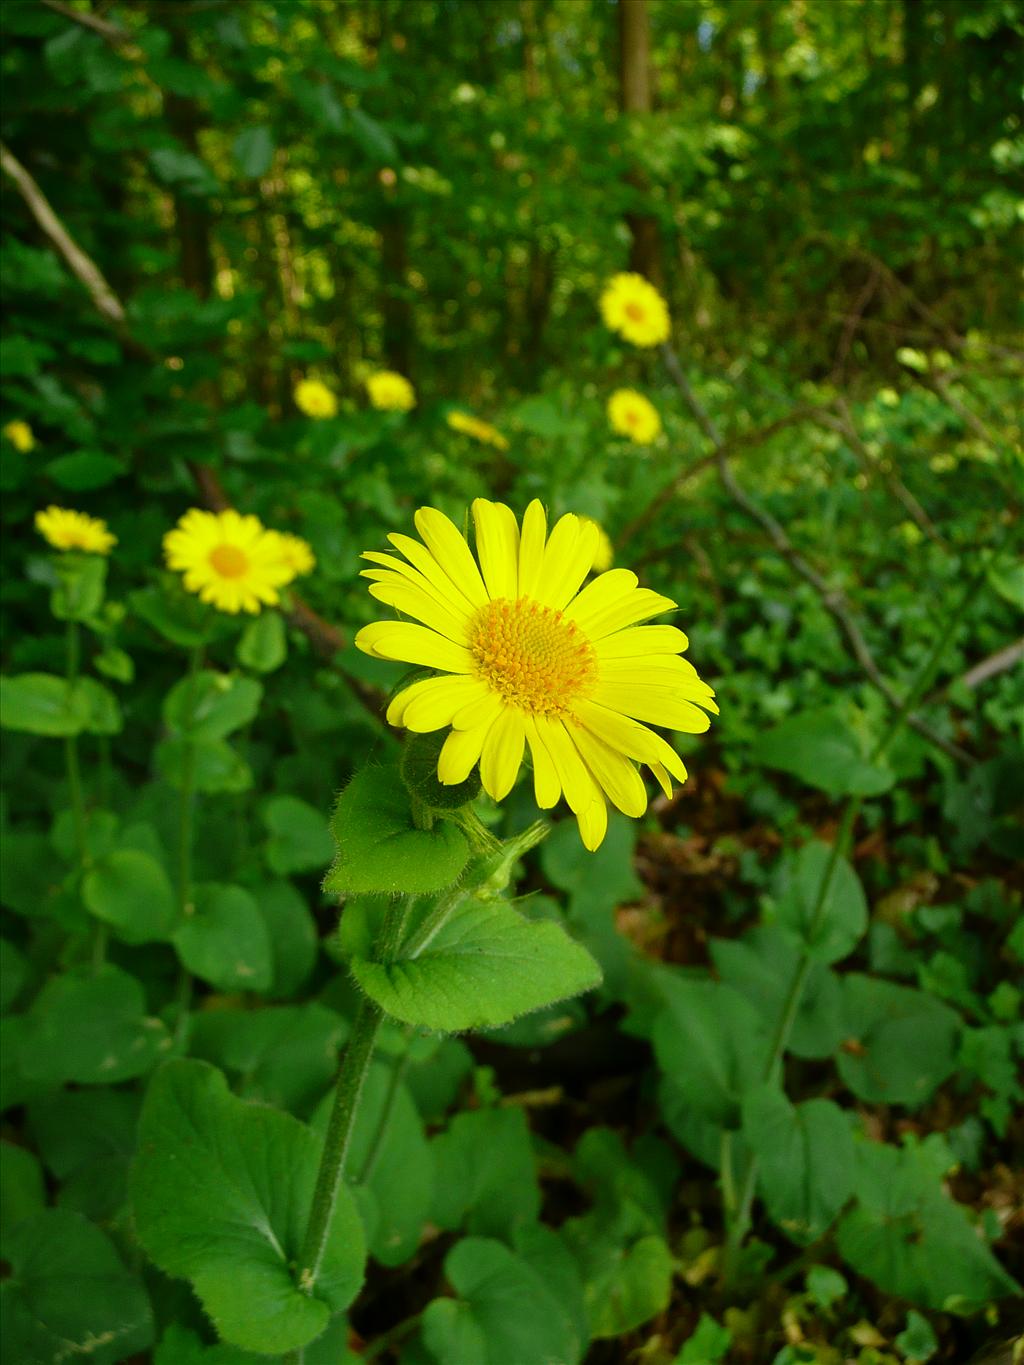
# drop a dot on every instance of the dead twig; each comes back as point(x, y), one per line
point(832, 598)
point(995, 664)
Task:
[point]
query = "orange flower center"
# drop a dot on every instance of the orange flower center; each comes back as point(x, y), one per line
point(531, 655)
point(229, 561)
point(632, 417)
point(634, 311)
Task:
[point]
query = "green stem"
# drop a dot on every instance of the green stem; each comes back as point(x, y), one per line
point(740, 1222)
point(354, 1069)
point(187, 793)
point(377, 1142)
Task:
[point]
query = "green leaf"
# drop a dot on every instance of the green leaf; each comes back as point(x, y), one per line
point(805, 1155)
point(292, 932)
point(224, 941)
point(22, 1192)
point(69, 1296)
point(484, 967)
point(627, 1277)
point(212, 765)
point(183, 171)
point(379, 846)
point(486, 1174)
point(911, 1239)
point(87, 1139)
point(822, 750)
point(900, 1043)
point(842, 917)
point(825, 1285)
point(81, 583)
point(103, 711)
point(300, 839)
point(373, 137)
point(84, 470)
point(253, 151)
point(712, 1047)
point(263, 645)
point(130, 891)
point(91, 1026)
point(760, 967)
point(507, 1313)
point(707, 1345)
point(116, 664)
point(420, 754)
point(212, 705)
point(14, 973)
point(222, 1191)
point(285, 1055)
point(42, 704)
point(917, 1341)
point(176, 615)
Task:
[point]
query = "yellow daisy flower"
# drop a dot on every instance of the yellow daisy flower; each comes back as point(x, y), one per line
point(315, 399)
point(604, 554)
point(478, 429)
point(527, 658)
point(633, 415)
point(390, 391)
point(230, 560)
point(631, 306)
point(20, 435)
point(294, 553)
point(66, 530)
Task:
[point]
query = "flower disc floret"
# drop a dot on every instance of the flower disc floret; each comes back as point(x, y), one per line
point(531, 656)
point(229, 560)
point(526, 657)
point(68, 530)
point(390, 391)
point(632, 415)
point(631, 306)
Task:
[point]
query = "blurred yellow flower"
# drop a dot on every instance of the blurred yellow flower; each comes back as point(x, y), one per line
point(478, 429)
point(20, 435)
point(604, 554)
point(229, 560)
point(294, 553)
point(524, 657)
point(315, 399)
point(631, 306)
point(390, 391)
point(632, 415)
point(67, 530)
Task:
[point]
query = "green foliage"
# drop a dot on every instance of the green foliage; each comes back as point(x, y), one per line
point(220, 1190)
point(679, 1133)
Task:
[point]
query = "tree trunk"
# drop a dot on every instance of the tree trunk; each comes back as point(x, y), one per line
point(635, 98)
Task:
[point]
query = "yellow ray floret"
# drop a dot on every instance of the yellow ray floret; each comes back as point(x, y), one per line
point(480, 430)
point(67, 530)
point(529, 658)
point(631, 306)
point(315, 399)
point(631, 414)
point(294, 553)
point(390, 391)
point(231, 561)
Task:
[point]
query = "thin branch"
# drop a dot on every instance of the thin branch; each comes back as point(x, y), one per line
point(833, 599)
point(995, 664)
point(110, 33)
point(325, 638)
point(80, 265)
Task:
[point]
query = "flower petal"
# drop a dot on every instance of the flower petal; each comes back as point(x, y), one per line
point(657, 705)
point(446, 543)
point(593, 823)
point(497, 547)
point(502, 753)
point(419, 556)
point(411, 602)
point(605, 590)
point(437, 702)
point(640, 642)
point(637, 606)
point(546, 786)
point(531, 547)
point(613, 771)
point(413, 645)
point(460, 751)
